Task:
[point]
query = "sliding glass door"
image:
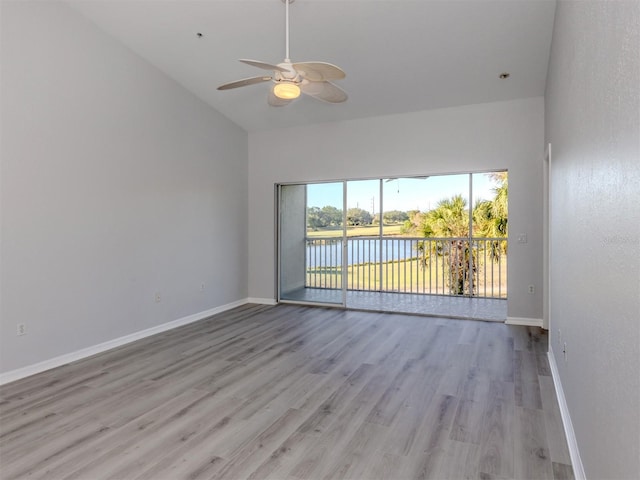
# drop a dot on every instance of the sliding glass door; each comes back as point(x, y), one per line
point(340, 243)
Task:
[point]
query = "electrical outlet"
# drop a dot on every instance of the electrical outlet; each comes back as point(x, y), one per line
point(522, 238)
point(21, 329)
point(158, 297)
point(202, 287)
point(532, 289)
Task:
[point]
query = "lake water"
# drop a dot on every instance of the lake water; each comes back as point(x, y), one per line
point(360, 251)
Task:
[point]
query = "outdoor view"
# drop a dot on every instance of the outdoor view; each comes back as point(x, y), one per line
point(411, 235)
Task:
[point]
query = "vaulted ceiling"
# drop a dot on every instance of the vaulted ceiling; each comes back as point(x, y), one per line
point(399, 55)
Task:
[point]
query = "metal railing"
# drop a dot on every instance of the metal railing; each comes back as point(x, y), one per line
point(436, 266)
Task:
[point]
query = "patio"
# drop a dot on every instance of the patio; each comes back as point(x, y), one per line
point(488, 309)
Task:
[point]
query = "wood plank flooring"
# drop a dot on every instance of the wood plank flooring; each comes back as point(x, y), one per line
point(290, 392)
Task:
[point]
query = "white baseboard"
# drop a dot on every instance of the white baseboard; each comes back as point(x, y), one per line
point(262, 301)
point(574, 453)
point(527, 322)
point(117, 342)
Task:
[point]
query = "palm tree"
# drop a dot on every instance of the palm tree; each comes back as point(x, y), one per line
point(490, 217)
point(450, 219)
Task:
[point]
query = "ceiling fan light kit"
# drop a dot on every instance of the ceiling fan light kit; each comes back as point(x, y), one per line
point(291, 79)
point(286, 90)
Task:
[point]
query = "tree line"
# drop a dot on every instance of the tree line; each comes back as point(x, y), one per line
point(329, 216)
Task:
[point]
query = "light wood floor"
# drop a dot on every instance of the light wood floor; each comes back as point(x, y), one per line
point(291, 392)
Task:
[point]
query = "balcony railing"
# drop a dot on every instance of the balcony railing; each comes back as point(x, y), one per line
point(436, 266)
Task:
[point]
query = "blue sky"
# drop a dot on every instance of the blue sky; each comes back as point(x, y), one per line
point(400, 194)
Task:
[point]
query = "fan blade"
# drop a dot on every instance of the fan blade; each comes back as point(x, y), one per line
point(263, 65)
point(244, 82)
point(276, 101)
point(325, 91)
point(318, 71)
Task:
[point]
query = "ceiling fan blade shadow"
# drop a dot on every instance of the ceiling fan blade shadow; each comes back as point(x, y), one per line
point(263, 65)
point(319, 71)
point(243, 83)
point(325, 91)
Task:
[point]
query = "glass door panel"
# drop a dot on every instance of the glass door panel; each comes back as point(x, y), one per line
point(363, 236)
point(490, 212)
point(311, 230)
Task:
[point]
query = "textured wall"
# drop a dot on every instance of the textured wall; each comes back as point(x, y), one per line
point(489, 136)
point(592, 121)
point(116, 184)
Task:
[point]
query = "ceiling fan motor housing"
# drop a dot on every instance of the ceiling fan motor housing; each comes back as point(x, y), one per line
point(290, 74)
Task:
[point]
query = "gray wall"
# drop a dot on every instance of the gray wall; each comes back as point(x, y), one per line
point(592, 121)
point(470, 138)
point(116, 184)
point(293, 232)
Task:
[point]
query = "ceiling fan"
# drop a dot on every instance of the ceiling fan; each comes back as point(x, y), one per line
point(290, 79)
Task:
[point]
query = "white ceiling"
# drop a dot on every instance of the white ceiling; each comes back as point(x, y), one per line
point(399, 55)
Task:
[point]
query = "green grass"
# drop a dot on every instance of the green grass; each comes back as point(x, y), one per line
point(367, 231)
point(405, 276)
